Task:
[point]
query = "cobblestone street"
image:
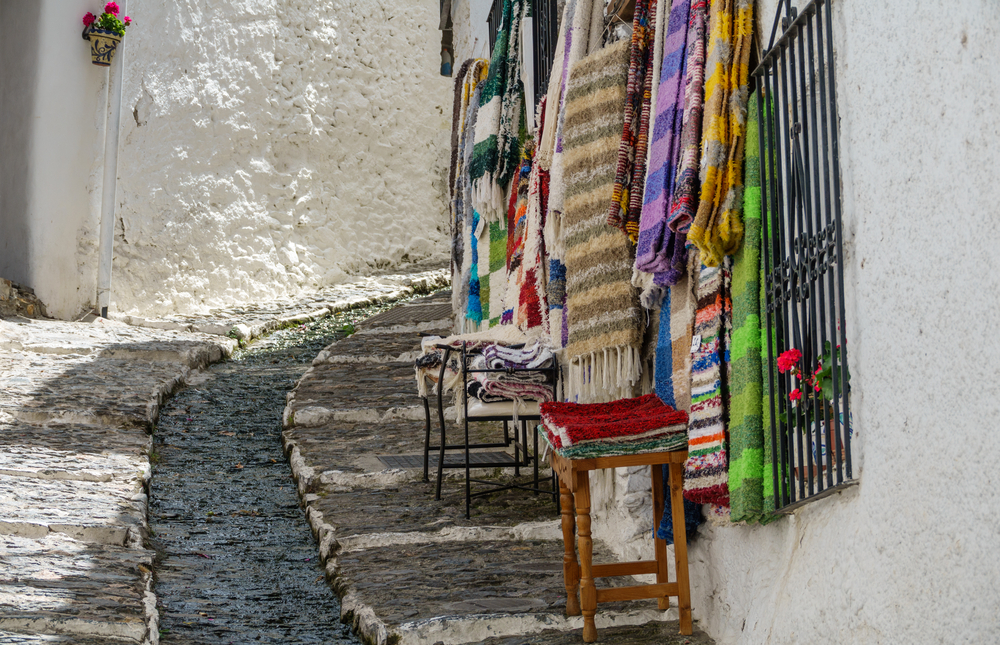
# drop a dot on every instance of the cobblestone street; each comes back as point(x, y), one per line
point(410, 569)
point(147, 498)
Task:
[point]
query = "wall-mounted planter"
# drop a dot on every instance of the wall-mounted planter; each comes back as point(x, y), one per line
point(103, 44)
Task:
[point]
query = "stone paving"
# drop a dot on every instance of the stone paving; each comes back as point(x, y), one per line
point(78, 404)
point(410, 569)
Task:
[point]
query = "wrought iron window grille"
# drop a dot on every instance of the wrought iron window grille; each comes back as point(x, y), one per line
point(803, 256)
point(544, 33)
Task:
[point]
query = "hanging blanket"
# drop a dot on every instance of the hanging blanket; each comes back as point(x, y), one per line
point(495, 158)
point(717, 227)
point(575, 34)
point(466, 297)
point(628, 426)
point(672, 376)
point(705, 476)
point(746, 434)
point(630, 173)
point(605, 319)
point(652, 256)
point(531, 303)
point(497, 278)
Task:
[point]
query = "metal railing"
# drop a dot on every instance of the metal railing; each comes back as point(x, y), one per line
point(545, 27)
point(803, 256)
point(545, 31)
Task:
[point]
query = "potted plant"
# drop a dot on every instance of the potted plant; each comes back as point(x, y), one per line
point(104, 33)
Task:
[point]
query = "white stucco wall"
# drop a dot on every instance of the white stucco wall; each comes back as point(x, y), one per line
point(267, 147)
point(270, 146)
point(908, 555)
point(53, 140)
point(470, 29)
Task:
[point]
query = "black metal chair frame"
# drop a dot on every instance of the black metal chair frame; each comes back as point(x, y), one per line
point(522, 457)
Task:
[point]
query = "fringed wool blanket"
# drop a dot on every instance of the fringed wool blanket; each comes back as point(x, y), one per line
point(672, 376)
point(746, 433)
point(575, 37)
point(465, 298)
point(623, 427)
point(528, 279)
point(605, 319)
point(630, 172)
point(705, 472)
point(717, 227)
point(652, 252)
point(495, 158)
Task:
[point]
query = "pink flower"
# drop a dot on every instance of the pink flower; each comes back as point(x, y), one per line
point(112, 8)
point(88, 19)
point(788, 359)
point(819, 368)
point(127, 21)
point(795, 394)
point(819, 389)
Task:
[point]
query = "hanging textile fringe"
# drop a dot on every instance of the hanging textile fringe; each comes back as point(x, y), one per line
point(717, 227)
point(705, 471)
point(652, 254)
point(746, 433)
point(605, 319)
point(496, 152)
point(630, 173)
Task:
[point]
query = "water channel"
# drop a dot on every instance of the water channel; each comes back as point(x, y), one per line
point(236, 561)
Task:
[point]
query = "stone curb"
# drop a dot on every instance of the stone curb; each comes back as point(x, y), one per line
point(420, 284)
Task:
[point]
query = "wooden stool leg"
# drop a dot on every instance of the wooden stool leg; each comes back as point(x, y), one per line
point(659, 546)
point(571, 568)
point(588, 592)
point(680, 547)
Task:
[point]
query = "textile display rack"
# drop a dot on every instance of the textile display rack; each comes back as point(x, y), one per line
point(579, 575)
point(519, 412)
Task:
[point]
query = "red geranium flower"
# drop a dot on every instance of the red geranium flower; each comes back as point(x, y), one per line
point(795, 394)
point(112, 8)
point(788, 359)
point(88, 19)
point(127, 21)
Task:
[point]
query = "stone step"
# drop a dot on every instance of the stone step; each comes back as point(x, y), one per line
point(112, 512)
point(59, 590)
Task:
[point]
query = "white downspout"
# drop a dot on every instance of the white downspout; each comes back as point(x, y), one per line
point(110, 185)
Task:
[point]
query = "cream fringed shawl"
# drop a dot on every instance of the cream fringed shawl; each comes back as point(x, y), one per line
point(606, 322)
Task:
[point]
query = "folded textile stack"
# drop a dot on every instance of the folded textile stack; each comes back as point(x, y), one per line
point(491, 387)
point(626, 427)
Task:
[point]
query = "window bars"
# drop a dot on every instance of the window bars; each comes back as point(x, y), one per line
point(803, 257)
point(544, 34)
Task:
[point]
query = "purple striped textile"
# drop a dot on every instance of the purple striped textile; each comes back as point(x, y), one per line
point(652, 255)
point(684, 203)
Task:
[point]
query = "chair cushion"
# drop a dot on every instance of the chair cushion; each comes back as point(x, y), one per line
point(502, 408)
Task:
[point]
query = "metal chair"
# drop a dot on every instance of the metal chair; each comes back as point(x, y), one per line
point(475, 411)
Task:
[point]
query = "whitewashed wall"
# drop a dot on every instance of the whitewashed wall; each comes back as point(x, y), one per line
point(268, 147)
point(471, 29)
point(908, 555)
point(52, 132)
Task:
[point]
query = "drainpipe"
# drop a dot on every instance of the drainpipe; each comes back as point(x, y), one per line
point(110, 185)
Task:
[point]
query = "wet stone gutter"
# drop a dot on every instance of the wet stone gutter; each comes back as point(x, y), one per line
point(409, 569)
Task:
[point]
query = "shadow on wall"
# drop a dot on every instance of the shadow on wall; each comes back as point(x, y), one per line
point(18, 80)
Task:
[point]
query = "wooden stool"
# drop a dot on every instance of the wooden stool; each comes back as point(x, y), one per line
point(574, 484)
